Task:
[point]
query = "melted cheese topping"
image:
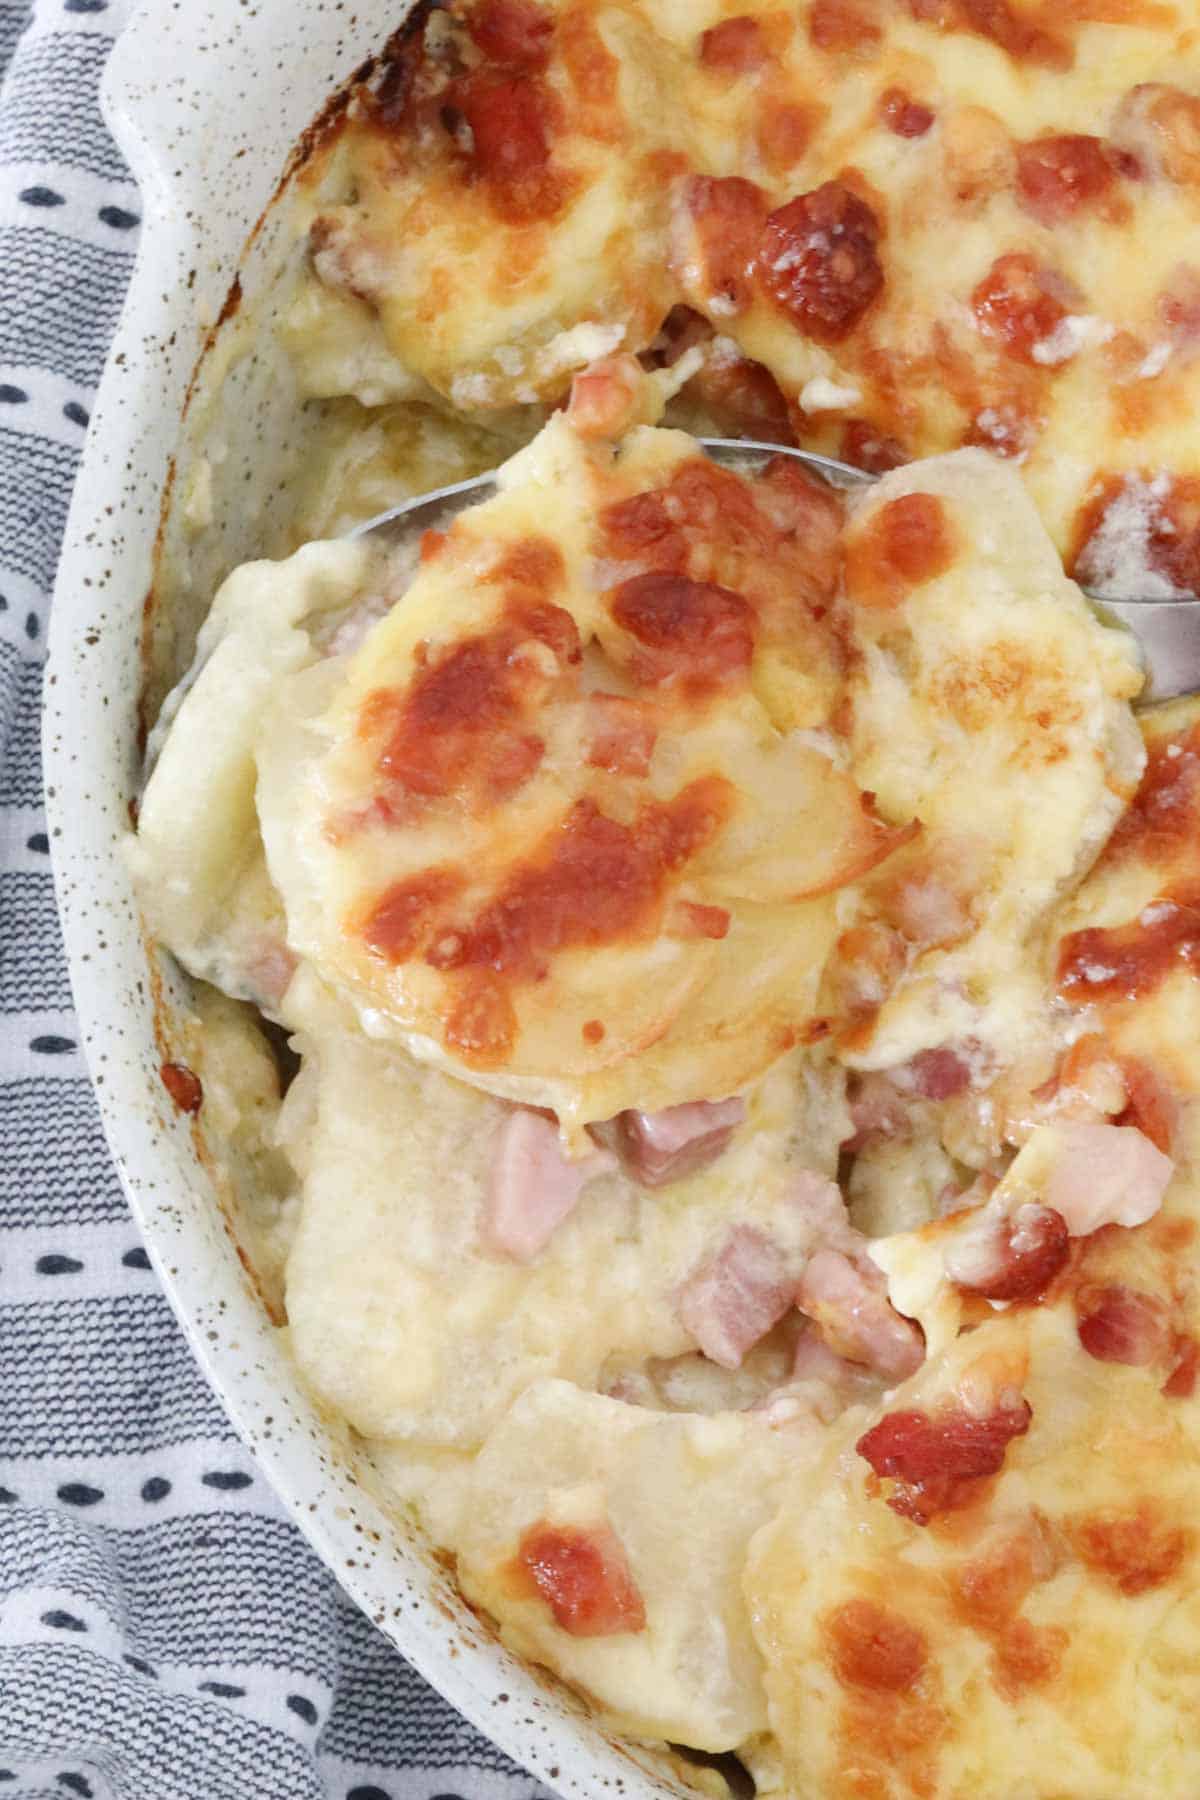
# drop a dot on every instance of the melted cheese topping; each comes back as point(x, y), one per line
point(531, 185)
point(990, 721)
point(540, 826)
point(867, 1581)
point(1047, 1623)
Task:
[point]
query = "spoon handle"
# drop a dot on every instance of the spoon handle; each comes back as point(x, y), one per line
point(1168, 636)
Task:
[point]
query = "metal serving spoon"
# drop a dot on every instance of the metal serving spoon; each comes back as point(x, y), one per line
point(1167, 631)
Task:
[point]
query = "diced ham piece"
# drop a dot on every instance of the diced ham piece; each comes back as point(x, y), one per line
point(660, 1147)
point(1107, 1175)
point(935, 1074)
point(819, 1201)
point(877, 1109)
point(848, 1304)
point(1012, 1257)
point(733, 1299)
point(269, 970)
point(583, 1575)
point(533, 1186)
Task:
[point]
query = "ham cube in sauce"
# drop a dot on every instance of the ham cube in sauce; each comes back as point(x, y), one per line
point(533, 1185)
point(665, 1146)
point(733, 1299)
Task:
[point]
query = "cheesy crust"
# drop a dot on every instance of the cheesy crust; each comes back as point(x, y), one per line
point(528, 186)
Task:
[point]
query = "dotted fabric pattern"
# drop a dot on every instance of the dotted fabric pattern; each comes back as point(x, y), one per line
point(165, 1633)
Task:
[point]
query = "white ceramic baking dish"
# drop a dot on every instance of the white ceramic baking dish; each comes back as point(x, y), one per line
point(205, 102)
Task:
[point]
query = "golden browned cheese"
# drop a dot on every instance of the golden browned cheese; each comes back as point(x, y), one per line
point(892, 227)
point(989, 1585)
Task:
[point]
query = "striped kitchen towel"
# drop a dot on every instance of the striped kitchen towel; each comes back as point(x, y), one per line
point(165, 1633)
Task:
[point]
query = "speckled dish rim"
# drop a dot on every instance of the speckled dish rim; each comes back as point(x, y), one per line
point(187, 88)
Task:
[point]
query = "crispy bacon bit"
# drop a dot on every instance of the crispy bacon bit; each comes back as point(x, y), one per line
point(1120, 1325)
point(734, 47)
point(584, 1577)
point(873, 1648)
point(459, 724)
point(905, 542)
point(903, 115)
point(848, 1304)
point(720, 228)
point(591, 881)
point(842, 25)
point(401, 919)
point(695, 634)
point(515, 32)
point(870, 449)
point(183, 1085)
point(700, 508)
point(1123, 962)
point(819, 261)
point(935, 1074)
point(733, 1299)
point(1059, 176)
point(1135, 1551)
point(1014, 1258)
point(621, 734)
point(532, 1186)
point(658, 1148)
point(511, 127)
point(1016, 304)
point(606, 398)
point(937, 1459)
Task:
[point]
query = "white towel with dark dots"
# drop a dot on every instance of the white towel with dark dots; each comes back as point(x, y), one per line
point(165, 1634)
